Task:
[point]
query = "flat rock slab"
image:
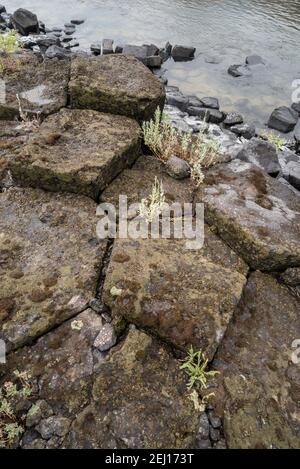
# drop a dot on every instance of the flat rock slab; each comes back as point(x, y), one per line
point(259, 388)
point(87, 400)
point(42, 87)
point(256, 215)
point(118, 84)
point(49, 261)
point(78, 151)
point(185, 297)
point(137, 183)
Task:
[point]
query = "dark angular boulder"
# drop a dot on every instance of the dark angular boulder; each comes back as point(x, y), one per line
point(262, 154)
point(296, 107)
point(25, 22)
point(201, 112)
point(283, 119)
point(56, 52)
point(215, 116)
point(244, 130)
point(182, 53)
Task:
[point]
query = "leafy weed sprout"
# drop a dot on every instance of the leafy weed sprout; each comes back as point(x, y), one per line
point(153, 204)
point(165, 141)
point(274, 138)
point(9, 42)
point(10, 394)
point(195, 365)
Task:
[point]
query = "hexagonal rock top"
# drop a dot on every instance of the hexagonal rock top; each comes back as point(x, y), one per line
point(255, 214)
point(78, 151)
point(42, 87)
point(137, 183)
point(49, 261)
point(118, 84)
point(135, 397)
point(259, 385)
point(185, 297)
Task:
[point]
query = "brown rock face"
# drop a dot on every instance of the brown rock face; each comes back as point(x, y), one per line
point(259, 390)
point(135, 397)
point(137, 183)
point(118, 84)
point(41, 87)
point(49, 261)
point(185, 297)
point(78, 151)
point(256, 215)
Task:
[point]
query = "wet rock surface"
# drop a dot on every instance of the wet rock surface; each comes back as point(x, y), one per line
point(259, 387)
point(130, 90)
point(255, 214)
point(49, 261)
point(41, 86)
point(105, 402)
point(78, 151)
point(149, 274)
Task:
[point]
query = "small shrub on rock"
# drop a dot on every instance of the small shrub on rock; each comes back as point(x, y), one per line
point(165, 141)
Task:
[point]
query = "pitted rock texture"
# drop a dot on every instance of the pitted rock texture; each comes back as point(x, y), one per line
point(255, 214)
point(137, 183)
point(49, 261)
point(259, 385)
point(134, 397)
point(78, 151)
point(41, 87)
point(117, 83)
point(185, 297)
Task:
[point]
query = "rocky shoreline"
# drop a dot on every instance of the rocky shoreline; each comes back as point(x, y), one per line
point(99, 326)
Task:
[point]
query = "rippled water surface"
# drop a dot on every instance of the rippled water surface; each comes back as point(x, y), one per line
point(225, 30)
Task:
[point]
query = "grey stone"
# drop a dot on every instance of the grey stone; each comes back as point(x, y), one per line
point(233, 118)
point(254, 60)
point(201, 112)
point(96, 48)
point(178, 168)
point(182, 53)
point(106, 338)
point(296, 107)
point(139, 52)
point(239, 71)
point(154, 61)
point(214, 420)
point(244, 130)
point(261, 153)
point(77, 21)
point(216, 116)
point(177, 99)
point(203, 430)
point(107, 46)
point(293, 169)
point(214, 434)
point(25, 22)
point(56, 52)
point(211, 103)
point(283, 119)
point(51, 426)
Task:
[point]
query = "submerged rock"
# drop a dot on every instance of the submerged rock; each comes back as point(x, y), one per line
point(41, 87)
point(259, 385)
point(239, 71)
point(118, 84)
point(50, 261)
point(254, 60)
point(255, 214)
point(186, 297)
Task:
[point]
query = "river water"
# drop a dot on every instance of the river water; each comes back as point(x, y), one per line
point(223, 31)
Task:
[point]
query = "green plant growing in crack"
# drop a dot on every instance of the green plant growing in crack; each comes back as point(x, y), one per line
point(195, 366)
point(10, 394)
point(152, 205)
point(274, 139)
point(165, 141)
point(9, 42)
